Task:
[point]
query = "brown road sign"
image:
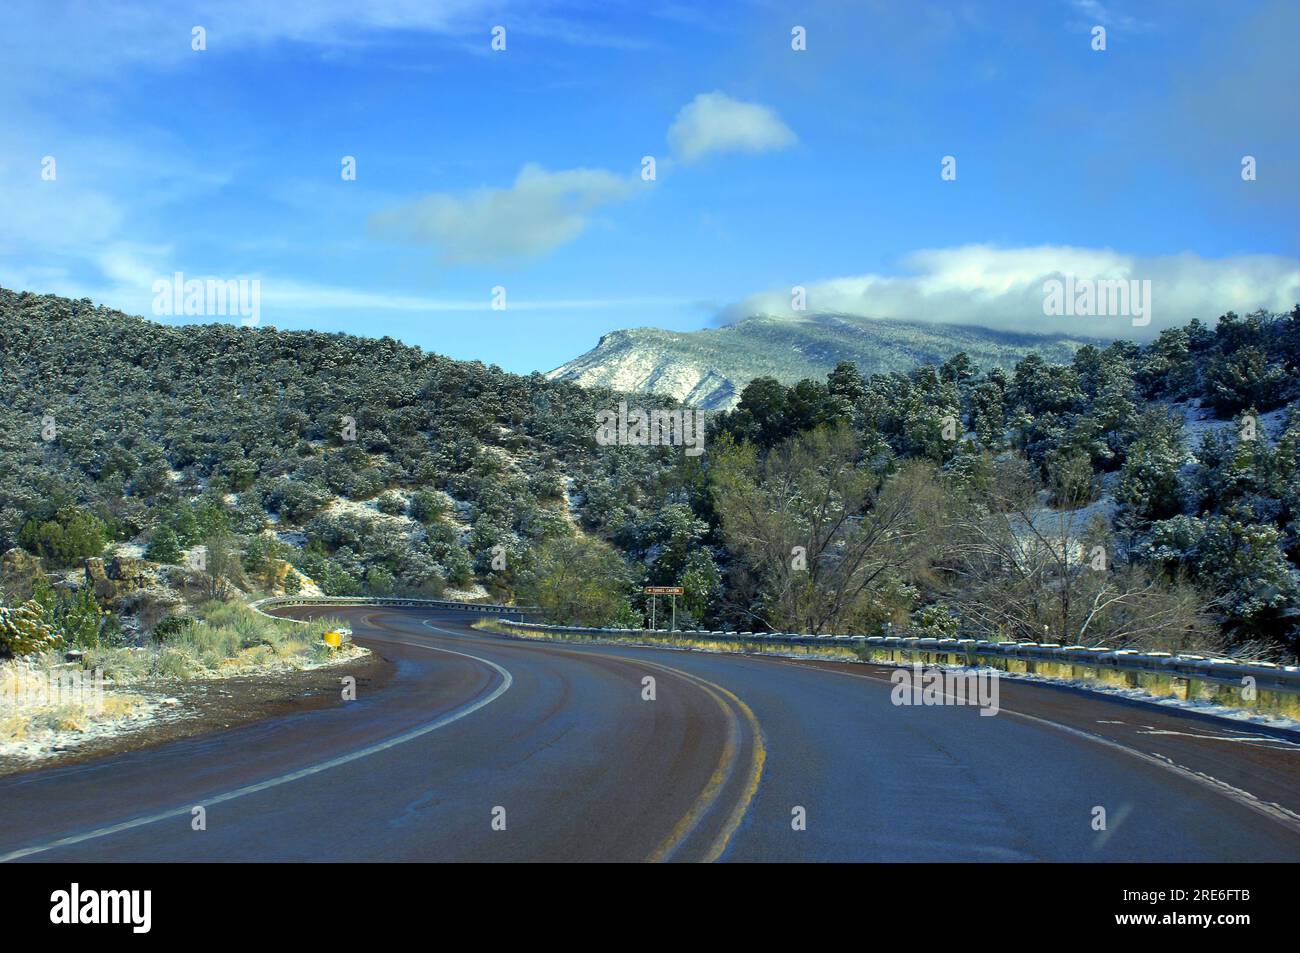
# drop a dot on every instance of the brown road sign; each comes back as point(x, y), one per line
point(664, 591)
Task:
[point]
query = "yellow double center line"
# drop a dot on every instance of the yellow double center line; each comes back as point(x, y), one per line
point(730, 705)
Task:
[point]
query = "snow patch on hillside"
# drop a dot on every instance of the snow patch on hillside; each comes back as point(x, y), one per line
point(1199, 420)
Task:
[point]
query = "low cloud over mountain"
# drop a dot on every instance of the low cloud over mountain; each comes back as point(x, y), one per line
point(1003, 288)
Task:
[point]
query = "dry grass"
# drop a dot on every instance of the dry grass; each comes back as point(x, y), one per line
point(40, 710)
point(227, 639)
point(43, 701)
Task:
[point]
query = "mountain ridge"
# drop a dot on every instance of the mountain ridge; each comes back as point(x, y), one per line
point(710, 367)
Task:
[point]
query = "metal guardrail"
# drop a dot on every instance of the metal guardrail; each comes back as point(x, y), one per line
point(1267, 675)
point(1272, 687)
point(390, 601)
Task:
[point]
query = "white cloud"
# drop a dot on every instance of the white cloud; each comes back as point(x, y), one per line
point(1002, 288)
point(539, 213)
point(54, 216)
point(1097, 13)
point(292, 295)
point(65, 234)
point(714, 122)
point(122, 274)
point(543, 210)
point(45, 43)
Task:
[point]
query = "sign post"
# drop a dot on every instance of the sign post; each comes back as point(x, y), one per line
point(674, 591)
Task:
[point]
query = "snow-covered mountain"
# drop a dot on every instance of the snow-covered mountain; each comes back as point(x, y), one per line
point(710, 368)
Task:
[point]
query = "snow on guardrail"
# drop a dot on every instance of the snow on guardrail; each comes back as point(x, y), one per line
point(391, 601)
point(1232, 682)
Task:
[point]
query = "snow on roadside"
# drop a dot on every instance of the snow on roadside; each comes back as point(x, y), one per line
point(1168, 701)
point(472, 594)
point(46, 710)
point(49, 731)
point(36, 726)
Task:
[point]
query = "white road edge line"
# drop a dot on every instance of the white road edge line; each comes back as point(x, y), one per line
point(1273, 811)
point(506, 681)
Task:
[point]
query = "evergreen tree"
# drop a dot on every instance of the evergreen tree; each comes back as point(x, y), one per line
point(163, 547)
point(1149, 488)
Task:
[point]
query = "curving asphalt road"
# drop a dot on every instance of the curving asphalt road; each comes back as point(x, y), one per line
point(556, 743)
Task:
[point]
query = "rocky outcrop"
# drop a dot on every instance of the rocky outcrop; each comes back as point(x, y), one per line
point(95, 571)
point(120, 576)
point(128, 572)
point(18, 570)
point(20, 561)
point(97, 578)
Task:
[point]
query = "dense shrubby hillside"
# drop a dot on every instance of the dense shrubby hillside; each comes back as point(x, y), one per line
point(369, 465)
point(1133, 496)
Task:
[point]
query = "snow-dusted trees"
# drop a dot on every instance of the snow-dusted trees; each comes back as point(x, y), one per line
point(1015, 567)
point(1149, 487)
point(24, 631)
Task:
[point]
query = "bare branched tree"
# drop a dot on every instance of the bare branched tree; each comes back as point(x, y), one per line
point(1019, 568)
point(222, 573)
point(822, 534)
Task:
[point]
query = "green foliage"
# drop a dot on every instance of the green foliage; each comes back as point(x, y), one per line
point(295, 501)
point(164, 547)
point(1241, 560)
point(79, 618)
point(337, 581)
point(222, 572)
point(822, 539)
point(72, 616)
point(379, 581)
point(262, 553)
point(935, 621)
point(70, 537)
point(25, 631)
point(1149, 487)
point(703, 583)
point(769, 412)
point(578, 582)
point(225, 636)
point(626, 617)
point(158, 424)
point(169, 627)
point(427, 507)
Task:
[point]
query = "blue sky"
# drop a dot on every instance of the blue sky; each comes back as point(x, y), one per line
point(775, 167)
